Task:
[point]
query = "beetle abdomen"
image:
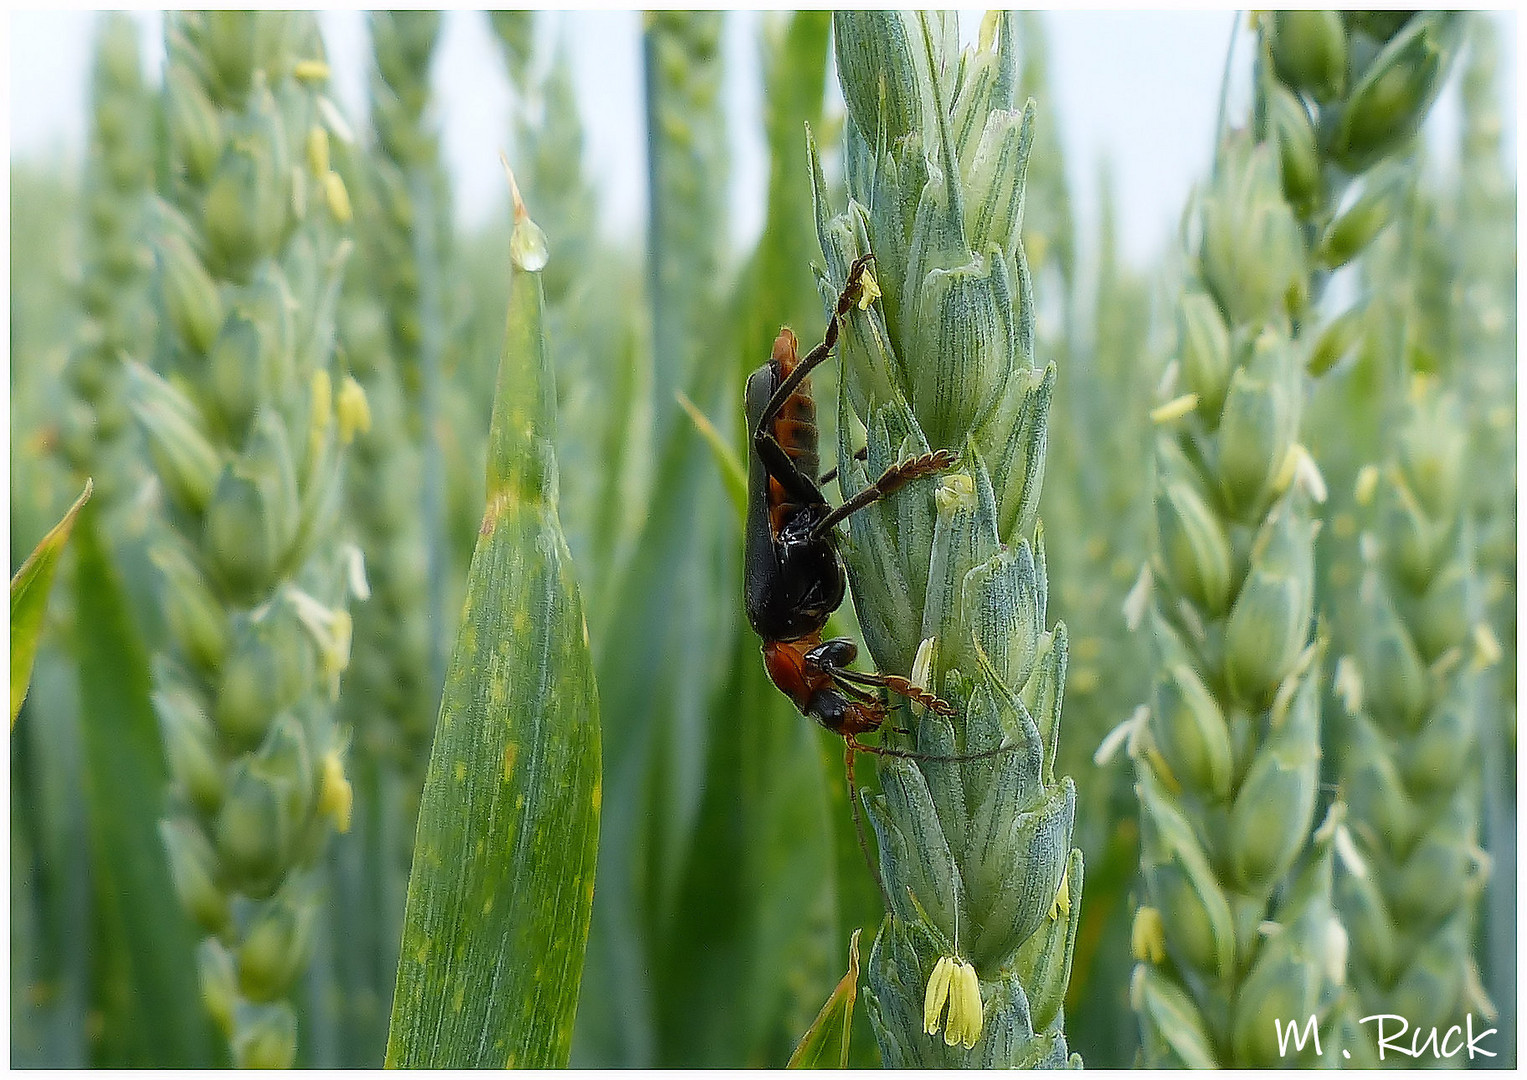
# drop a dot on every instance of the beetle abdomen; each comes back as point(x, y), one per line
point(794, 428)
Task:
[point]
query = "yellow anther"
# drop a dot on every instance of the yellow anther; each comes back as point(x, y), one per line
point(965, 1011)
point(311, 71)
point(335, 796)
point(1147, 937)
point(1346, 850)
point(937, 995)
point(1137, 989)
point(1487, 650)
point(955, 492)
point(1062, 903)
point(334, 660)
point(1286, 470)
point(1037, 247)
point(869, 290)
point(1336, 947)
point(1367, 484)
point(1138, 599)
point(323, 398)
point(988, 34)
point(923, 665)
point(1162, 770)
point(322, 390)
point(353, 410)
point(1421, 387)
point(1175, 409)
point(318, 150)
point(1308, 473)
point(1348, 684)
point(1125, 734)
point(331, 630)
point(953, 983)
point(338, 197)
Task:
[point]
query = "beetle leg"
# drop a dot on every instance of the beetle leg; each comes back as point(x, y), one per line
point(893, 479)
point(828, 476)
point(832, 659)
point(897, 685)
point(854, 693)
point(779, 466)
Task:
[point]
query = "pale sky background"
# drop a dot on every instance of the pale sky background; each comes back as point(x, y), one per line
point(1138, 88)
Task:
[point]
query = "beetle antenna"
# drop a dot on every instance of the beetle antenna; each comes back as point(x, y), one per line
point(793, 380)
point(917, 755)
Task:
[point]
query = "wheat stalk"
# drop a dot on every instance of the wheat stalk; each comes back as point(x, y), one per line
point(1238, 929)
point(1485, 252)
point(667, 627)
point(408, 254)
point(1410, 761)
point(1411, 690)
point(119, 175)
point(246, 429)
point(949, 583)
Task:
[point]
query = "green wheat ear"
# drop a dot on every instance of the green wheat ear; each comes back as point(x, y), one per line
point(948, 576)
point(1411, 762)
point(407, 250)
point(119, 175)
point(1412, 700)
point(384, 324)
point(1238, 926)
point(1484, 253)
point(245, 421)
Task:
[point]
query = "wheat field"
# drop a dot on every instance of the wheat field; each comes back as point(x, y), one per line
point(392, 591)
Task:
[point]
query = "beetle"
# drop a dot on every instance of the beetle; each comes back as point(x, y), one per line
point(794, 578)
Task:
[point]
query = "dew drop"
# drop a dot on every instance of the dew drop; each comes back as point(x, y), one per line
point(527, 246)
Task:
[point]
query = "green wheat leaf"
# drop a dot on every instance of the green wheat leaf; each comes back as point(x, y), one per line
point(144, 985)
point(502, 885)
point(726, 458)
point(29, 601)
point(834, 1023)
